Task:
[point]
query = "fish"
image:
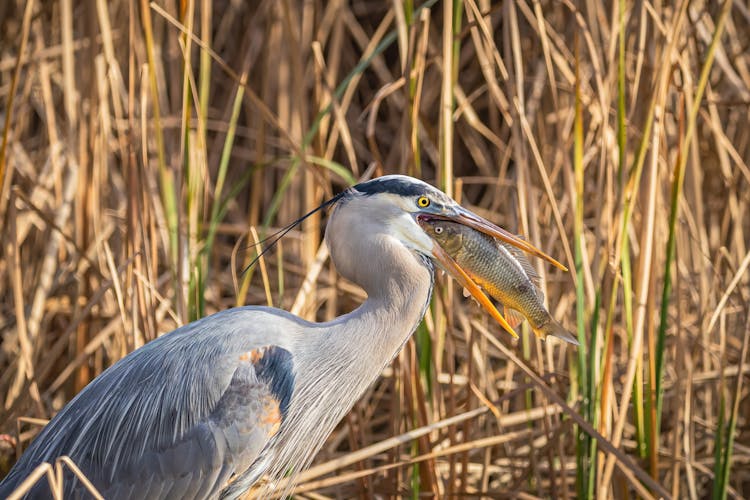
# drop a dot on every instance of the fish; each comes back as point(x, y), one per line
point(502, 270)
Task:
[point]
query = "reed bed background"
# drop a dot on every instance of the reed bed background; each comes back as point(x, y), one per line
point(147, 146)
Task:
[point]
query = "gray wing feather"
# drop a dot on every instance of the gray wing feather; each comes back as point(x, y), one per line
point(175, 419)
point(245, 418)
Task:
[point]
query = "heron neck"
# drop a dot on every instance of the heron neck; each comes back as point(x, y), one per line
point(360, 344)
point(398, 291)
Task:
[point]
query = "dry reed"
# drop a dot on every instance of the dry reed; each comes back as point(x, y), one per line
point(147, 147)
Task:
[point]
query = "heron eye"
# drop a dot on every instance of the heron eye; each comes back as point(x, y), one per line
point(438, 230)
point(423, 201)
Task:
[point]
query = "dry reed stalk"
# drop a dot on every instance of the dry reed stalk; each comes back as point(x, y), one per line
point(6, 170)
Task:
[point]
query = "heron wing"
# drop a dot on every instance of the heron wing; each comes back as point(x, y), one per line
point(181, 414)
point(246, 417)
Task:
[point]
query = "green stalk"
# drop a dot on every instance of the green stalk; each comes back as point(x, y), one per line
point(593, 395)
point(726, 461)
point(424, 357)
point(423, 339)
point(637, 397)
point(627, 275)
point(202, 258)
point(334, 166)
point(226, 154)
point(622, 137)
point(409, 12)
point(719, 488)
point(585, 446)
point(723, 464)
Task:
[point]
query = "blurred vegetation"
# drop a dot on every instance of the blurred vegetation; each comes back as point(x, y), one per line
point(146, 147)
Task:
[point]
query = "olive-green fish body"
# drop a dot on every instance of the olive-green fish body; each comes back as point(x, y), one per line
point(502, 270)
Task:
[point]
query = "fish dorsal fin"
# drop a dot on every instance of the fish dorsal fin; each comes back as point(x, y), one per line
point(520, 257)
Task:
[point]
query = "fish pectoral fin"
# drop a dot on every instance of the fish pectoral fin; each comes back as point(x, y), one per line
point(513, 316)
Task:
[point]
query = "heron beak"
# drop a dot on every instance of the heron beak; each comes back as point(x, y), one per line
point(464, 280)
point(482, 225)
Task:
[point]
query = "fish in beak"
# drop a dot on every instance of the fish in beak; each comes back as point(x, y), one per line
point(468, 218)
point(445, 255)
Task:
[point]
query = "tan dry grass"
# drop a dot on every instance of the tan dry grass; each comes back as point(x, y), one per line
point(109, 142)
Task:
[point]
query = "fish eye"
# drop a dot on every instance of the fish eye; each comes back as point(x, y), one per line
point(438, 230)
point(423, 202)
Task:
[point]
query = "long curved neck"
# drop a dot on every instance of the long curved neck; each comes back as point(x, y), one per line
point(398, 290)
point(398, 285)
point(337, 361)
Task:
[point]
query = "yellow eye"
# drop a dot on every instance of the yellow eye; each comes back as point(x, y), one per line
point(423, 201)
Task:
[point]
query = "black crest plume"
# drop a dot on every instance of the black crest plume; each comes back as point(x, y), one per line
point(275, 237)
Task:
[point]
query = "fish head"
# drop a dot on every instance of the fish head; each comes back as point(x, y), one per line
point(449, 235)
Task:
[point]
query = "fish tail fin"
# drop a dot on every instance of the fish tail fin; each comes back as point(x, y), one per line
point(555, 329)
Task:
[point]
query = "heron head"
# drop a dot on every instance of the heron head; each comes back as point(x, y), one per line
point(394, 206)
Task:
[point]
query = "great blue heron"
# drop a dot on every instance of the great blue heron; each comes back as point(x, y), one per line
point(206, 410)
